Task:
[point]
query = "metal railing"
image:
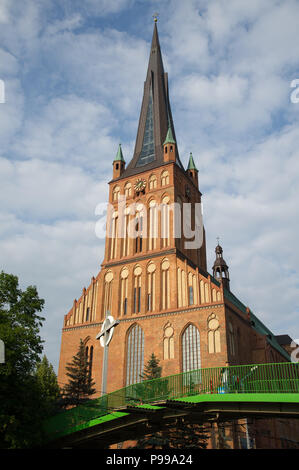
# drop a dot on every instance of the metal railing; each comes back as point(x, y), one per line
point(256, 378)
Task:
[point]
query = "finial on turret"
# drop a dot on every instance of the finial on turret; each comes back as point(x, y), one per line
point(156, 16)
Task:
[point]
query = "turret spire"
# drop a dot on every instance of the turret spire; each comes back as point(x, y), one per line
point(220, 268)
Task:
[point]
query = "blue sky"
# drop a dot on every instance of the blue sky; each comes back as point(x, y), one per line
point(74, 74)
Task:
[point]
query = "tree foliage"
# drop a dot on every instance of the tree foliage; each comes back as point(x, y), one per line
point(48, 385)
point(23, 406)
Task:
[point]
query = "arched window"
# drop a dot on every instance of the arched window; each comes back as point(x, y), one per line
point(152, 182)
point(116, 193)
point(164, 178)
point(128, 189)
point(153, 225)
point(207, 293)
point(191, 349)
point(231, 339)
point(192, 289)
point(124, 291)
point(90, 360)
point(213, 334)
point(165, 292)
point(114, 236)
point(140, 226)
point(135, 355)
point(168, 342)
point(182, 287)
point(137, 290)
point(125, 241)
point(87, 318)
point(165, 222)
point(151, 287)
point(107, 298)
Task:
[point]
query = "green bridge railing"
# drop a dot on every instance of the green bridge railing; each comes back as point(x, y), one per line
point(256, 378)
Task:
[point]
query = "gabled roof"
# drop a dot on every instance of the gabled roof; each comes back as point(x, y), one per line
point(155, 121)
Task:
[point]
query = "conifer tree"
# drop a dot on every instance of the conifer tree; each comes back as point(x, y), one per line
point(152, 370)
point(81, 385)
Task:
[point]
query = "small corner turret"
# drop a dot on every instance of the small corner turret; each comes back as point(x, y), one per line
point(192, 170)
point(169, 147)
point(220, 268)
point(118, 163)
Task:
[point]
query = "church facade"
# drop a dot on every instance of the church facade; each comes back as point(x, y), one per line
point(154, 278)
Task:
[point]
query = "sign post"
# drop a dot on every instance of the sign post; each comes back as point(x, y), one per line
point(105, 337)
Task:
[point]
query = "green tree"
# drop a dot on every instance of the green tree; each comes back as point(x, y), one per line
point(48, 385)
point(152, 370)
point(80, 385)
point(22, 409)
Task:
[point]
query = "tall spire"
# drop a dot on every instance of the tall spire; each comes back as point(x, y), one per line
point(155, 121)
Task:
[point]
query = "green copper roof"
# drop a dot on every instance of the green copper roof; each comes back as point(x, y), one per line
point(191, 164)
point(119, 155)
point(169, 137)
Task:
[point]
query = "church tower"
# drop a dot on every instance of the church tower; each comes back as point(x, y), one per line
point(153, 279)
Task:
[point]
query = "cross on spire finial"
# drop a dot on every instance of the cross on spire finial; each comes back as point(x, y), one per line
point(218, 240)
point(156, 16)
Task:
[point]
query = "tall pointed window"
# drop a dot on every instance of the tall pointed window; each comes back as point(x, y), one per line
point(191, 349)
point(124, 291)
point(151, 287)
point(231, 339)
point(182, 287)
point(114, 236)
point(165, 286)
point(153, 225)
point(125, 235)
point(135, 355)
point(165, 222)
point(147, 153)
point(192, 289)
point(140, 226)
point(137, 290)
point(107, 300)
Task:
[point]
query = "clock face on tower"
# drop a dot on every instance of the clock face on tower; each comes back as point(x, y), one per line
point(139, 185)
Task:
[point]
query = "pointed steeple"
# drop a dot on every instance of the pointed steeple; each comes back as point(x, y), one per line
point(192, 170)
point(119, 155)
point(169, 137)
point(191, 164)
point(155, 122)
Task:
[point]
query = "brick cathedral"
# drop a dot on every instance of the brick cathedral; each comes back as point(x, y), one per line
point(153, 283)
